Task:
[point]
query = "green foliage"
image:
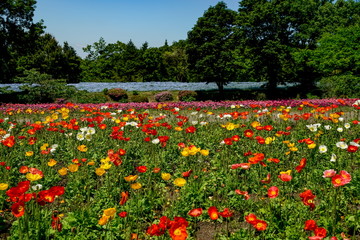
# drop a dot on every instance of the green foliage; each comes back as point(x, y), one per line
point(163, 96)
point(41, 88)
point(88, 97)
point(18, 34)
point(344, 86)
point(139, 98)
point(338, 52)
point(118, 94)
point(209, 46)
point(187, 96)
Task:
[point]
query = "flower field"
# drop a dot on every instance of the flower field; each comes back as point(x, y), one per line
point(196, 170)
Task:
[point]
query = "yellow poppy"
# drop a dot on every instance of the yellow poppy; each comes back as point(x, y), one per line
point(82, 148)
point(62, 171)
point(52, 162)
point(33, 177)
point(180, 182)
point(29, 153)
point(204, 152)
point(136, 186)
point(165, 176)
point(100, 171)
point(4, 186)
point(73, 167)
point(131, 178)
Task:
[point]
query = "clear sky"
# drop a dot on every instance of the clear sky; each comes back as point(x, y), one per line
point(83, 22)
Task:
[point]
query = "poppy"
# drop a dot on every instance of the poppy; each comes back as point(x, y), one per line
point(310, 225)
point(195, 212)
point(213, 213)
point(251, 218)
point(244, 193)
point(273, 192)
point(141, 169)
point(124, 197)
point(302, 164)
point(18, 209)
point(226, 213)
point(260, 225)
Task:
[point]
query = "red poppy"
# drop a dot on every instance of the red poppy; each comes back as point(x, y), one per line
point(235, 138)
point(308, 199)
point(244, 193)
point(285, 177)
point(310, 225)
point(187, 173)
point(244, 166)
point(155, 230)
point(248, 133)
point(9, 141)
point(260, 225)
point(341, 179)
point(122, 214)
point(320, 232)
point(178, 232)
point(251, 218)
point(18, 209)
point(190, 129)
point(226, 213)
point(267, 179)
point(24, 169)
point(258, 157)
point(124, 197)
point(273, 192)
point(141, 169)
point(195, 212)
point(352, 148)
point(302, 164)
point(55, 223)
point(213, 213)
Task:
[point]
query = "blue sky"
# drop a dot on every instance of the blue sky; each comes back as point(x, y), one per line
point(83, 22)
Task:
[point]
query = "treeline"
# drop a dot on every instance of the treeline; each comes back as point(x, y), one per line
point(273, 41)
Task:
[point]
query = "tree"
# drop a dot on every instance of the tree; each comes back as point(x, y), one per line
point(176, 61)
point(338, 53)
point(277, 36)
point(18, 33)
point(210, 45)
point(49, 57)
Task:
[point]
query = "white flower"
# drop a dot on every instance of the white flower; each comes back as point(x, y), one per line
point(342, 145)
point(322, 149)
point(194, 113)
point(155, 141)
point(355, 144)
point(194, 122)
point(232, 106)
point(341, 119)
point(88, 137)
point(91, 130)
point(80, 136)
point(222, 142)
point(313, 127)
point(333, 158)
point(176, 109)
point(347, 125)
point(327, 127)
point(357, 102)
point(227, 116)
point(37, 187)
point(340, 129)
point(104, 107)
point(203, 123)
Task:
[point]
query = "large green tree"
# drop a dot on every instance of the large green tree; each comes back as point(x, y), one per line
point(210, 44)
point(18, 34)
point(277, 36)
